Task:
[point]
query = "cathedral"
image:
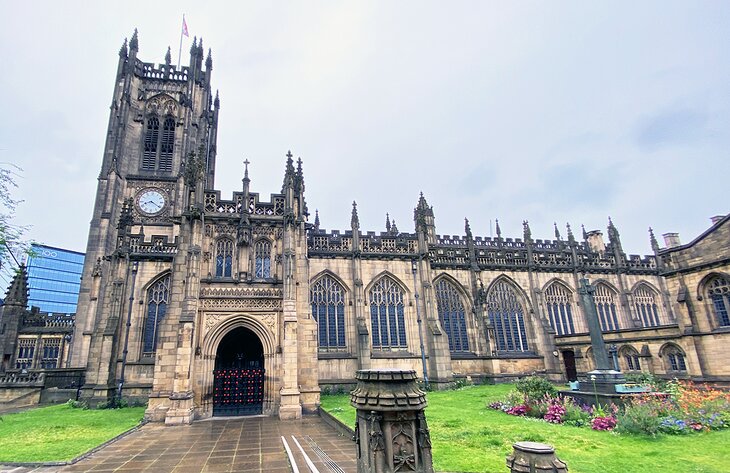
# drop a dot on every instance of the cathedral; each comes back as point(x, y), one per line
point(203, 304)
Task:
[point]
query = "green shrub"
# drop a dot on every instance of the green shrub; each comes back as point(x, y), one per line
point(77, 404)
point(575, 415)
point(535, 388)
point(639, 419)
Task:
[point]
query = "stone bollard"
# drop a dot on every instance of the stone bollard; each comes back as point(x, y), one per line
point(390, 430)
point(533, 457)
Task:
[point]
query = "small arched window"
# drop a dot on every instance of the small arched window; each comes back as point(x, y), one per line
point(559, 303)
point(646, 306)
point(262, 250)
point(387, 315)
point(158, 298)
point(718, 290)
point(158, 147)
point(631, 359)
point(674, 359)
point(507, 317)
point(328, 309)
point(452, 315)
point(224, 258)
point(605, 298)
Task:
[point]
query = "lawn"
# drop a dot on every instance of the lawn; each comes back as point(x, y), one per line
point(467, 436)
point(60, 433)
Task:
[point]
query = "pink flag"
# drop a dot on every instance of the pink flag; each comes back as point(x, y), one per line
point(185, 27)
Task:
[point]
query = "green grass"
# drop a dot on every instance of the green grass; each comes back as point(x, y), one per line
point(467, 436)
point(60, 433)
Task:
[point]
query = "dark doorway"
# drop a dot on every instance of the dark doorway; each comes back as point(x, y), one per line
point(238, 378)
point(569, 360)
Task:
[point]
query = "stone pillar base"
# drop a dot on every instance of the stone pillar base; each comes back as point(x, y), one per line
point(291, 407)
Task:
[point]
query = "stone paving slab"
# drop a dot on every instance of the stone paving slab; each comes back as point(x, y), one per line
point(243, 444)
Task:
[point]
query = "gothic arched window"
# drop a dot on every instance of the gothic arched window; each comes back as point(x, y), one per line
point(158, 298)
point(387, 315)
point(452, 315)
point(158, 147)
point(631, 359)
point(507, 317)
point(646, 306)
point(674, 359)
point(328, 309)
point(224, 258)
point(718, 290)
point(559, 303)
point(262, 251)
point(606, 306)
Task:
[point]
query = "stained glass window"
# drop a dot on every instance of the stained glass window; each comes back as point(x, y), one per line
point(263, 259)
point(452, 315)
point(387, 316)
point(646, 306)
point(507, 317)
point(328, 309)
point(606, 305)
point(158, 298)
point(718, 290)
point(224, 258)
point(559, 301)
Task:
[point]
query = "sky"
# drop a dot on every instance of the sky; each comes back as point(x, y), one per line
point(515, 110)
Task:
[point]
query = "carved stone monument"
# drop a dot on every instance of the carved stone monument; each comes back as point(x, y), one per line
point(533, 457)
point(391, 430)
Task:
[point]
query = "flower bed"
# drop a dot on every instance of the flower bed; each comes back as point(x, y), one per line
point(683, 409)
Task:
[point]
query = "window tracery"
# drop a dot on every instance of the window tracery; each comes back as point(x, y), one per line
point(452, 315)
point(263, 259)
point(631, 358)
point(327, 297)
point(558, 299)
point(675, 360)
point(606, 306)
point(158, 298)
point(507, 317)
point(646, 306)
point(224, 258)
point(718, 290)
point(387, 315)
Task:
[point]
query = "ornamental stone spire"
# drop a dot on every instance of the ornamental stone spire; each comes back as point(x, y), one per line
point(355, 220)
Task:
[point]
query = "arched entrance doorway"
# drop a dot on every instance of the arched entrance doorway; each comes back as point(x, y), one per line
point(238, 377)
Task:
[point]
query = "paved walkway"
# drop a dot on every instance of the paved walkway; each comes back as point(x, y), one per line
point(244, 444)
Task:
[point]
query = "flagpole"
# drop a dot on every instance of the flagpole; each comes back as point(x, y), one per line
point(179, 49)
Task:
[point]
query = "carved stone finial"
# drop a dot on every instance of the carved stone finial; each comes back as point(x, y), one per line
point(653, 241)
point(194, 47)
point(387, 222)
point(168, 56)
point(526, 232)
point(355, 220)
point(123, 49)
point(557, 232)
point(467, 229)
point(18, 291)
point(245, 168)
point(209, 60)
point(217, 101)
point(134, 42)
point(394, 228)
point(585, 234)
point(498, 230)
point(316, 219)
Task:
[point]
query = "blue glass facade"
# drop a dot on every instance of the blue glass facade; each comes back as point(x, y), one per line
point(54, 278)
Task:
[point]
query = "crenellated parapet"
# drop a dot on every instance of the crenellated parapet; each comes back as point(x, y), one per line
point(383, 245)
point(256, 208)
point(148, 70)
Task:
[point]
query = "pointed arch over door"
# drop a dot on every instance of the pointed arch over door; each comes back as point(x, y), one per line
point(452, 314)
point(507, 316)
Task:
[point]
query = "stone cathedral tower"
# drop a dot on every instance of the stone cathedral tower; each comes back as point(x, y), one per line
point(169, 296)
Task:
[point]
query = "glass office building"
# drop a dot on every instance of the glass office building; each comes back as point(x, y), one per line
point(54, 278)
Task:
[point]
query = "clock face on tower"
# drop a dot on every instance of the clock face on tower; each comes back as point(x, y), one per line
point(151, 201)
